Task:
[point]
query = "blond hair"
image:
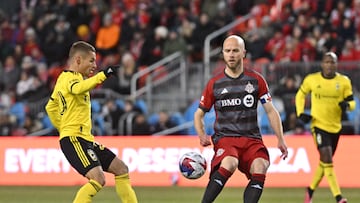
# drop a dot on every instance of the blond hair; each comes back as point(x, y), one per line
point(81, 46)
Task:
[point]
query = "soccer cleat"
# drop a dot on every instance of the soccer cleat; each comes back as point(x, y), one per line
point(343, 200)
point(307, 197)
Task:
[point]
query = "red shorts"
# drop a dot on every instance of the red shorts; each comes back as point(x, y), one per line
point(245, 149)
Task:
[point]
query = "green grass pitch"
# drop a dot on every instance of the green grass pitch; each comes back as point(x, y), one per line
point(45, 194)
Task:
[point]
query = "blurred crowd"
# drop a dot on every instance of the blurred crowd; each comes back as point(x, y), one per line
point(35, 36)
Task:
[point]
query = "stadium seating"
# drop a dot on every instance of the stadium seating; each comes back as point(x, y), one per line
point(46, 122)
point(141, 105)
point(209, 118)
point(153, 119)
point(177, 118)
point(120, 104)
point(19, 111)
point(98, 120)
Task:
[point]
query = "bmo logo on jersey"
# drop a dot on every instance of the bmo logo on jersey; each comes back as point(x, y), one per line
point(247, 101)
point(231, 102)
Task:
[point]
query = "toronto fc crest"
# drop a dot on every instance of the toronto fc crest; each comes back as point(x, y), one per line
point(249, 88)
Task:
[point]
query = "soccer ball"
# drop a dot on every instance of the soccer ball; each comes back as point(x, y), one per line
point(192, 165)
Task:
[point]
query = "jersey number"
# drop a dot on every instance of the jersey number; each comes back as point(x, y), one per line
point(63, 101)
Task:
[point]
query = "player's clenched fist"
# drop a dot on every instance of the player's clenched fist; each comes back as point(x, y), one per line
point(111, 70)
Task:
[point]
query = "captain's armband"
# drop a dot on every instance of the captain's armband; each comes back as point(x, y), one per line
point(265, 98)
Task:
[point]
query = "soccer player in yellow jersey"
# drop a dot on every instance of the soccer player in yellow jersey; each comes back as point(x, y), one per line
point(331, 95)
point(69, 110)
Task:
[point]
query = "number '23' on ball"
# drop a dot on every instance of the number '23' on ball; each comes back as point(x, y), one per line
point(192, 165)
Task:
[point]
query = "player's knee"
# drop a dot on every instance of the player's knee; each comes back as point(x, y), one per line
point(326, 158)
point(100, 179)
point(123, 169)
point(102, 182)
point(118, 167)
point(97, 175)
point(259, 165)
point(230, 163)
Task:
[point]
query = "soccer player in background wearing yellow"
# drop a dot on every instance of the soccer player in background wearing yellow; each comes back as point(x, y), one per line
point(69, 110)
point(331, 95)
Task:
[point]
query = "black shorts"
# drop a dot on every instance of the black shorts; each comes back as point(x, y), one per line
point(324, 139)
point(84, 155)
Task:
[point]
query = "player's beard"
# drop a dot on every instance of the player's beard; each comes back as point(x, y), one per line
point(233, 65)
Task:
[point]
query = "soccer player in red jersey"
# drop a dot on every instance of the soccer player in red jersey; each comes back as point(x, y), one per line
point(237, 141)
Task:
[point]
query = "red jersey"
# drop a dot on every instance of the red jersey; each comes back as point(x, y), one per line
point(235, 102)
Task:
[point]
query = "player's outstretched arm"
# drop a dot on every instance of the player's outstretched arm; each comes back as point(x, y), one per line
point(78, 87)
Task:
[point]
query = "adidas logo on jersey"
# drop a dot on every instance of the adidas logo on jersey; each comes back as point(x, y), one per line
point(224, 91)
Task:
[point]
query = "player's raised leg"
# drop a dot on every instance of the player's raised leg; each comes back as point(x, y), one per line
point(216, 184)
point(219, 178)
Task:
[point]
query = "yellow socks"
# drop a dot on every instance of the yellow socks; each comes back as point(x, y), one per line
point(319, 173)
point(331, 178)
point(124, 189)
point(122, 186)
point(326, 169)
point(87, 191)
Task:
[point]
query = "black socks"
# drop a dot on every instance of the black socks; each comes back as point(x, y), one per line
point(216, 184)
point(254, 189)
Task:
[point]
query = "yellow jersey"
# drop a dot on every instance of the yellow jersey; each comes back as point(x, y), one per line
point(69, 107)
point(325, 97)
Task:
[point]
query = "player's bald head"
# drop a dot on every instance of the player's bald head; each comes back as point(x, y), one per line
point(237, 38)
